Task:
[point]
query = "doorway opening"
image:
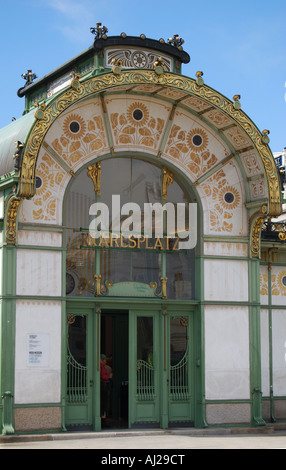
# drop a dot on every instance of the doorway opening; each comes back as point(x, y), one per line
point(114, 347)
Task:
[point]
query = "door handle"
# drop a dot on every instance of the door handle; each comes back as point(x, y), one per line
point(91, 383)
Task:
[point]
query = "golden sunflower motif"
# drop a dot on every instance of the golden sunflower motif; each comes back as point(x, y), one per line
point(281, 280)
point(42, 183)
point(137, 114)
point(229, 198)
point(74, 127)
point(197, 140)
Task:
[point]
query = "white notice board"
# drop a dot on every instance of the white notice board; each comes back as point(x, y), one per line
point(38, 350)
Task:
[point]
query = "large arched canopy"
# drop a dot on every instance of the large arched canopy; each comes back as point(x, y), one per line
point(180, 121)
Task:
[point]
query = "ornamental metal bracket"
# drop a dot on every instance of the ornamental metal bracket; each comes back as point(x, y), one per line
point(168, 179)
point(11, 222)
point(97, 278)
point(256, 222)
point(94, 172)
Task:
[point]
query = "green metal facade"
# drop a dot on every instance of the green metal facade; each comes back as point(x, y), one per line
point(207, 399)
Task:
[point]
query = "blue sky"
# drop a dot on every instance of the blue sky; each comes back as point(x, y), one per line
point(239, 45)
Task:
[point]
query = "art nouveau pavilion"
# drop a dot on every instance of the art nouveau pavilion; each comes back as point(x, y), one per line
point(197, 337)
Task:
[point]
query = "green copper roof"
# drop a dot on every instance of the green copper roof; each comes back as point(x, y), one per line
point(16, 131)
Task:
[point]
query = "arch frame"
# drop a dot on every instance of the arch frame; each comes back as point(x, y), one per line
point(96, 85)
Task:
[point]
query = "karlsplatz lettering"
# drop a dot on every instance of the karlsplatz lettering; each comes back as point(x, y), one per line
point(131, 242)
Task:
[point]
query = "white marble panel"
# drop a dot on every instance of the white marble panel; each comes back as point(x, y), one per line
point(40, 383)
point(39, 238)
point(226, 249)
point(279, 351)
point(226, 280)
point(38, 272)
point(265, 370)
point(227, 353)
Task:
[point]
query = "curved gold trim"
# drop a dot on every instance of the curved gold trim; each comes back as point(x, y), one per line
point(101, 83)
point(190, 86)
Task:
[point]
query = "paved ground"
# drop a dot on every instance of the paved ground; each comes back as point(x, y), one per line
point(177, 441)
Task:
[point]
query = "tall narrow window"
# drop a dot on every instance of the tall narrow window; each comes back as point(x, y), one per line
point(145, 365)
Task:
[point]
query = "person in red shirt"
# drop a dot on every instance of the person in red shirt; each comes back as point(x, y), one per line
point(104, 383)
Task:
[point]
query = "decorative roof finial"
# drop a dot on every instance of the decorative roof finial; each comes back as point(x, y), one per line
point(100, 31)
point(176, 41)
point(29, 77)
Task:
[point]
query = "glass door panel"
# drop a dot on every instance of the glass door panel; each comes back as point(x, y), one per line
point(145, 365)
point(143, 368)
point(78, 379)
point(180, 369)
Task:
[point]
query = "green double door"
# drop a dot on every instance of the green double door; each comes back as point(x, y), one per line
point(151, 355)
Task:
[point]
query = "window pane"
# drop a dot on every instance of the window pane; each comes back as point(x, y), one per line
point(145, 366)
point(80, 263)
point(179, 371)
point(145, 339)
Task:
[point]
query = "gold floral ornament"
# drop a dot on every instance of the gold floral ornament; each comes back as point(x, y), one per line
point(263, 284)
point(74, 127)
point(49, 177)
point(223, 199)
point(136, 127)
point(138, 114)
point(197, 140)
point(281, 282)
point(229, 198)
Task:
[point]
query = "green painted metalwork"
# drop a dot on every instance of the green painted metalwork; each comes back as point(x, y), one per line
point(77, 380)
point(145, 381)
point(179, 379)
point(8, 339)
point(255, 344)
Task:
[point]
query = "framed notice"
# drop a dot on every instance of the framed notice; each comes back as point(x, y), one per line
point(38, 350)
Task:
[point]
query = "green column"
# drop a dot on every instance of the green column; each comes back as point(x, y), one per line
point(255, 344)
point(96, 355)
point(8, 337)
point(199, 347)
point(164, 369)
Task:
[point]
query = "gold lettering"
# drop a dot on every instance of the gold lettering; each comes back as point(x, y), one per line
point(104, 242)
point(147, 246)
point(138, 240)
point(176, 243)
point(158, 245)
point(167, 242)
point(122, 243)
point(115, 239)
point(132, 241)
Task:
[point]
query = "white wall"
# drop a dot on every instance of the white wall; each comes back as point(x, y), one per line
point(38, 383)
point(226, 280)
point(227, 375)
